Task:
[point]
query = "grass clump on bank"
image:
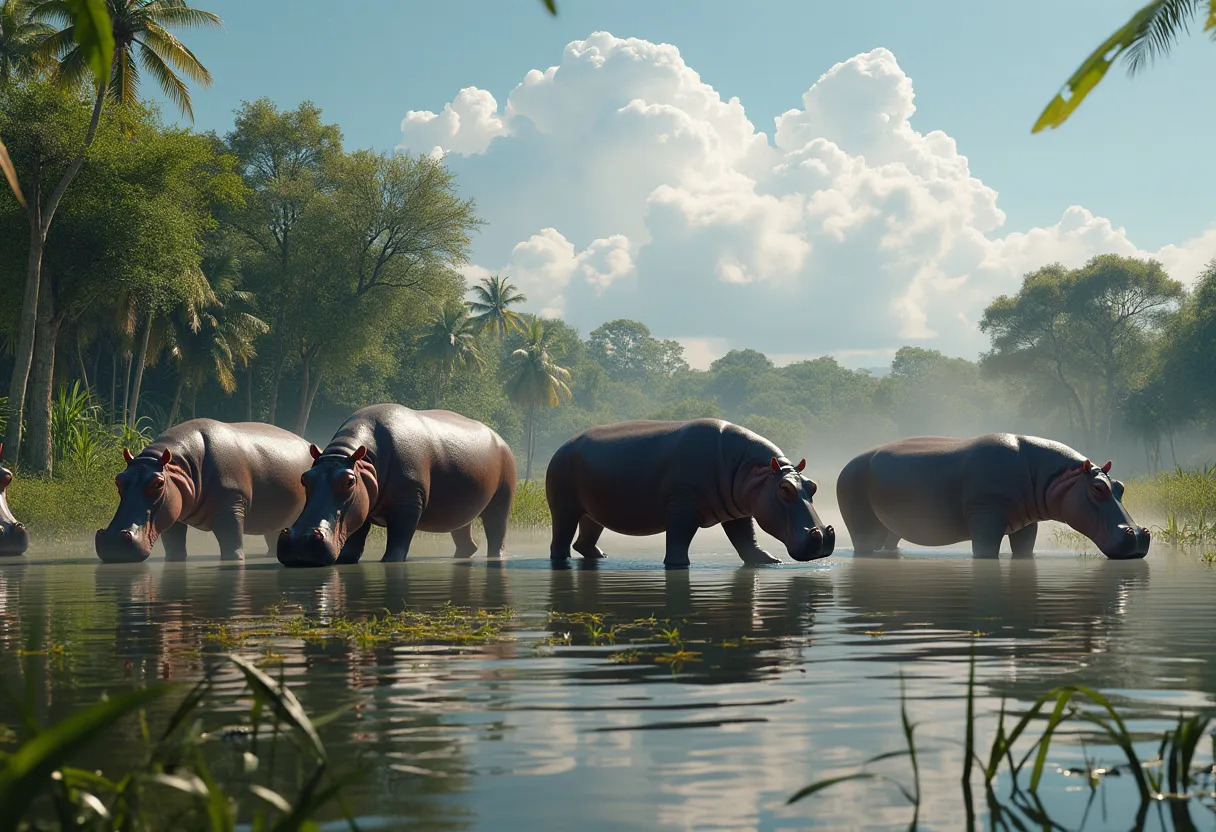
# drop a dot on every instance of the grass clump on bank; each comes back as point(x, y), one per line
point(64, 507)
point(1182, 501)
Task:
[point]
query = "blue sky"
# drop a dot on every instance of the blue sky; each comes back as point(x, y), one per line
point(1137, 153)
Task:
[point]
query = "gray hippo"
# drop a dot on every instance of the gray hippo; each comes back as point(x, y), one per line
point(14, 539)
point(934, 491)
point(406, 470)
point(232, 479)
point(645, 477)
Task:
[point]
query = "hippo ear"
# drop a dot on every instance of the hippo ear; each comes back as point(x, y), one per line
point(1086, 466)
point(800, 466)
point(359, 453)
point(166, 458)
point(1106, 467)
point(126, 454)
point(776, 466)
point(315, 451)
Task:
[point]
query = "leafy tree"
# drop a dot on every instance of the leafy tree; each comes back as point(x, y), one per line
point(1188, 371)
point(1149, 34)
point(491, 306)
point(450, 342)
point(628, 352)
point(535, 381)
point(1082, 332)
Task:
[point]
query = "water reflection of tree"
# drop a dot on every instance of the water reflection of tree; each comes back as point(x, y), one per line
point(746, 628)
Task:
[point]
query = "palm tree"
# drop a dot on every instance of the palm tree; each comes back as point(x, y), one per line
point(216, 339)
point(1147, 36)
point(21, 35)
point(141, 28)
point(491, 306)
point(449, 343)
point(535, 381)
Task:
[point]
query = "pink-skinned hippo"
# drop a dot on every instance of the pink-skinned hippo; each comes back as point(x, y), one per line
point(229, 478)
point(935, 491)
point(14, 539)
point(407, 470)
point(645, 477)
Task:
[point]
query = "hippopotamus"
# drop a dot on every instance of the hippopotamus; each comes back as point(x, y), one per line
point(14, 539)
point(407, 470)
point(934, 491)
point(232, 479)
point(644, 477)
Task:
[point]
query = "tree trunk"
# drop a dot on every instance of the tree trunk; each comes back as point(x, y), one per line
point(113, 383)
point(140, 362)
point(312, 397)
point(531, 441)
point(177, 399)
point(84, 372)
point(302, 399)
point(126, 387)
point(40, 450)
point(1173, 455)
point(275, 379)
point(40, 225)
point(248, 392)
point(193, 403)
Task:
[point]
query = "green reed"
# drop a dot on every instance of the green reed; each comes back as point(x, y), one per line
point(1172, 775)
point(173, 782)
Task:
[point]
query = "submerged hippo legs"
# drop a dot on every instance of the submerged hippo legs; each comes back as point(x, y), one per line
point(494, 520)
point(987, 529)
point(466, 547)
point(589, 533)
point(742, 535)
point(682, 524)
point(1021, 542)
point(352, 549)
point(229, 528)
point(402, 522)
point(174, 539)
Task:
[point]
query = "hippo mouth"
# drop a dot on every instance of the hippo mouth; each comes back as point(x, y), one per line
point(14, 540)
point(310, 547)
point(126, 546)
point(820, 543)
point(1127, 543)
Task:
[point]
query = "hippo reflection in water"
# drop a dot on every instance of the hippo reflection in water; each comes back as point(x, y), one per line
point(232, 479)
point(645, 477)
point(935, 491)
point(14, 539)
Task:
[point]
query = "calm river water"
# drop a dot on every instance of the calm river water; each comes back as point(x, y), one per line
point(796, 677)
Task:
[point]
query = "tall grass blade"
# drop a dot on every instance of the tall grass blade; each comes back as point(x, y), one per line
point(1044, 742)
point(282, 701)
point(27, 770)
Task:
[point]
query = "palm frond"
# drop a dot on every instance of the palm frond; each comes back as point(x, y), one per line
point(179, 14)
point(1158, 30)
point(176, 53)
point(168, 80)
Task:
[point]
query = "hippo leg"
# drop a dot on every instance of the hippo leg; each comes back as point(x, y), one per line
point(352, 549)
point(987, 529)
point(466, 547)
point(589, 532)
point(402, 522)
point(1022, 541)
point(272, 544)
point(229, 529)
point(494, 520)
point(174, 539)
point(682, 524)
point(892, 542)
point(742, 535)
point(565, 524)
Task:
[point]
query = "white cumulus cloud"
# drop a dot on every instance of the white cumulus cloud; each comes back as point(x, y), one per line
point(619, 184)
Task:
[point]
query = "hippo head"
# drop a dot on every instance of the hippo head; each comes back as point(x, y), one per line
point(781, 504)
point(340, 490)
point(14, 539)
point(153, 491)
point(1086, 498)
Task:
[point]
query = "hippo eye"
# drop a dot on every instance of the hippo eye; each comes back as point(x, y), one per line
point(787, 491)
point(348, 481)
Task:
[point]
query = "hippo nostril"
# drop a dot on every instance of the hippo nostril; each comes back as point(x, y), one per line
point(126, 535)
point(828, 529)
point(284, 532)
point(1129, 531)
point(317, 534)
point(19, 527)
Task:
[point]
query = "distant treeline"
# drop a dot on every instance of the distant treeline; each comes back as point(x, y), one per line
point(271, 274)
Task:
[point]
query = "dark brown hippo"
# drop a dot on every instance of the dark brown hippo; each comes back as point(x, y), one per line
point(406, 470)
point(645, 477)
point(232, 479)
point(14, 539)
point(934, 491)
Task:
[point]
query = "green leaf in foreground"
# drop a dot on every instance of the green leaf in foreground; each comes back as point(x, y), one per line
point(832, 781)
point(26, 771)
point(95, 36)
point(551, 5)
point(10, 173)
point(282, 700)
